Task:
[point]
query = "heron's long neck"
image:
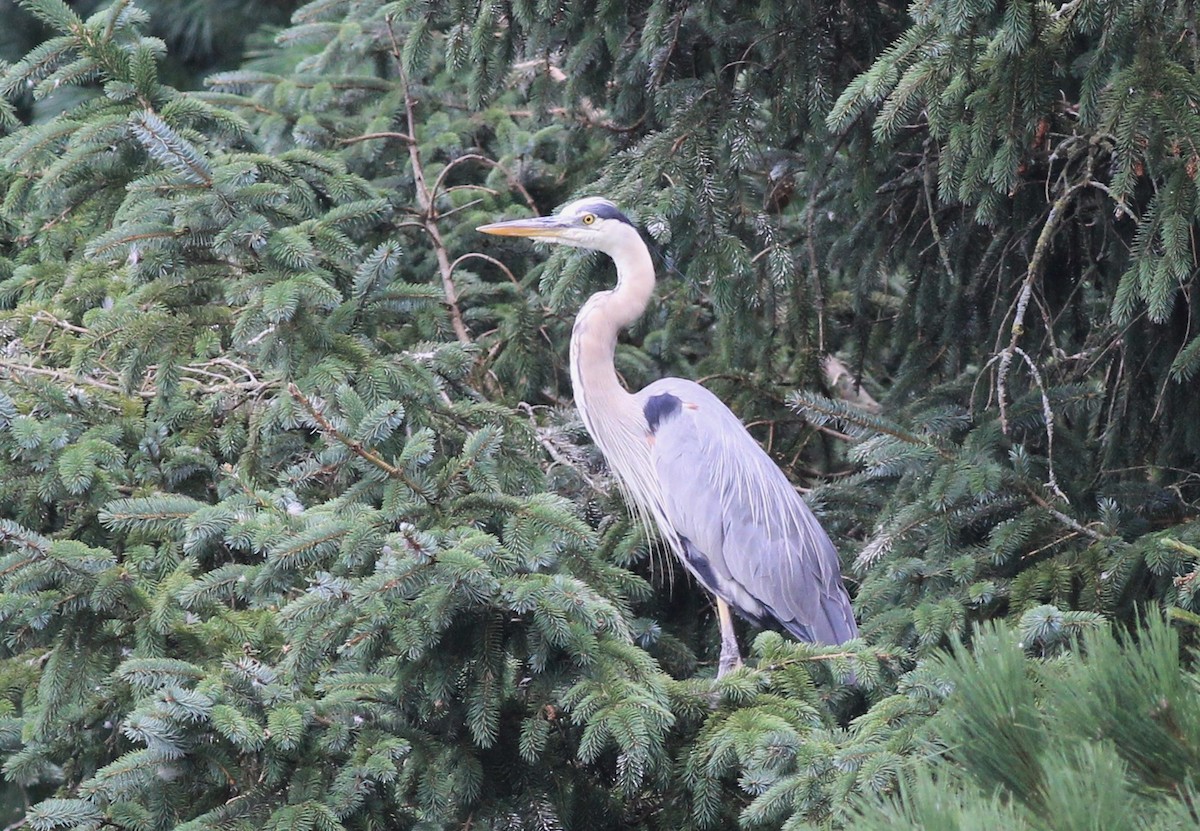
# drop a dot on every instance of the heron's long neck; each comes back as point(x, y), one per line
point(610, 413)
point(597, 389)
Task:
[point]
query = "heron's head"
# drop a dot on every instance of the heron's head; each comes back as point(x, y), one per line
point(590, 222)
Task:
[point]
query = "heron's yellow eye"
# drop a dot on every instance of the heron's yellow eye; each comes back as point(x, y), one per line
point(588, 219)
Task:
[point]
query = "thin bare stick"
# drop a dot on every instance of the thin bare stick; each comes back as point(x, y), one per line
point(1040, 249)
point(239, 367)
point(108, 381)
point(562, 455)
point(425, 200)
point(429, 220)
point(513, 181)
point(943, 252)
point(386, 134)
point(63, 376)
point(1048, 417)
point(814, 266)
point(1036, 263)
point(477, 256)
point(46, 317)
point(1029, 555)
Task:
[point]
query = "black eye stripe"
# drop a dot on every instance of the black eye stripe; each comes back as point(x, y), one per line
point(597, 209)
point(607, 211)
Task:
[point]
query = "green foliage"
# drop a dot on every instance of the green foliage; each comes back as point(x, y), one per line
point(297, 532)
point(1105, 737)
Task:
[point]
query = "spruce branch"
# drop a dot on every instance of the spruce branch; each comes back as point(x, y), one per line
point(1183, 615)
point(161, 512)
point(858, 418)
point(169, 149)
point(115, 242)
point(881, 655)
point(1071, 523)
point(883, 541)
point(353, 445)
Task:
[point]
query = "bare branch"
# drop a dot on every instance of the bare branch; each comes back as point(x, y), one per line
point(476, 255)
point(1063, 518)
point(386, 134)
point(64, 376)
point(513, 181)
point(425, 201)
point(1036, 263)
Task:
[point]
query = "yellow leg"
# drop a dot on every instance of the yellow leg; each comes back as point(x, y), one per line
point(731, 658)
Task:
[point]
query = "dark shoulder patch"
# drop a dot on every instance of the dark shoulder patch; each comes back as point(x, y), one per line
point(658, 407)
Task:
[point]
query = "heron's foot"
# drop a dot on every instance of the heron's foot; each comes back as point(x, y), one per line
point(730, 659)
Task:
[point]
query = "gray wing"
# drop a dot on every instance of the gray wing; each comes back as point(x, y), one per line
point(743, 530)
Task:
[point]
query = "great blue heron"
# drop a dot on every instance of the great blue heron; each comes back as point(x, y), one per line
point(687, 463)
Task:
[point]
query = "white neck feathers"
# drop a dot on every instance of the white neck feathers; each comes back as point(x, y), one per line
point(610, 413)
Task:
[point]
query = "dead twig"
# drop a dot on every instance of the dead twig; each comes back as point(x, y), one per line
point(63, 376)
point(1004, 360)
point(561, 455)
point(425, 199)
point(477, 256)
point(486, 161)
point(386, 134)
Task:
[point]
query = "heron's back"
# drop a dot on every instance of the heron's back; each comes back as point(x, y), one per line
point(739, 524)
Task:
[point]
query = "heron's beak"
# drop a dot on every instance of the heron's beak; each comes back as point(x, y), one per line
point(541, 227)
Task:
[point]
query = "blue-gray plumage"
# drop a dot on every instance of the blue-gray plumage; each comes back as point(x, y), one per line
point(767, 555)
point(687, 463)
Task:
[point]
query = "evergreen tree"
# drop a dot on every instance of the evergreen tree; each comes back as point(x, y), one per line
point(272, 558)
point(298, 529)
point(1106, 738)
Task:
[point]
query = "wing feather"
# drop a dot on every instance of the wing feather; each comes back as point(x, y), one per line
point(764, 551)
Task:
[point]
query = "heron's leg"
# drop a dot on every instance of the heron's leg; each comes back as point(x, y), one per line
point(731, 658)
